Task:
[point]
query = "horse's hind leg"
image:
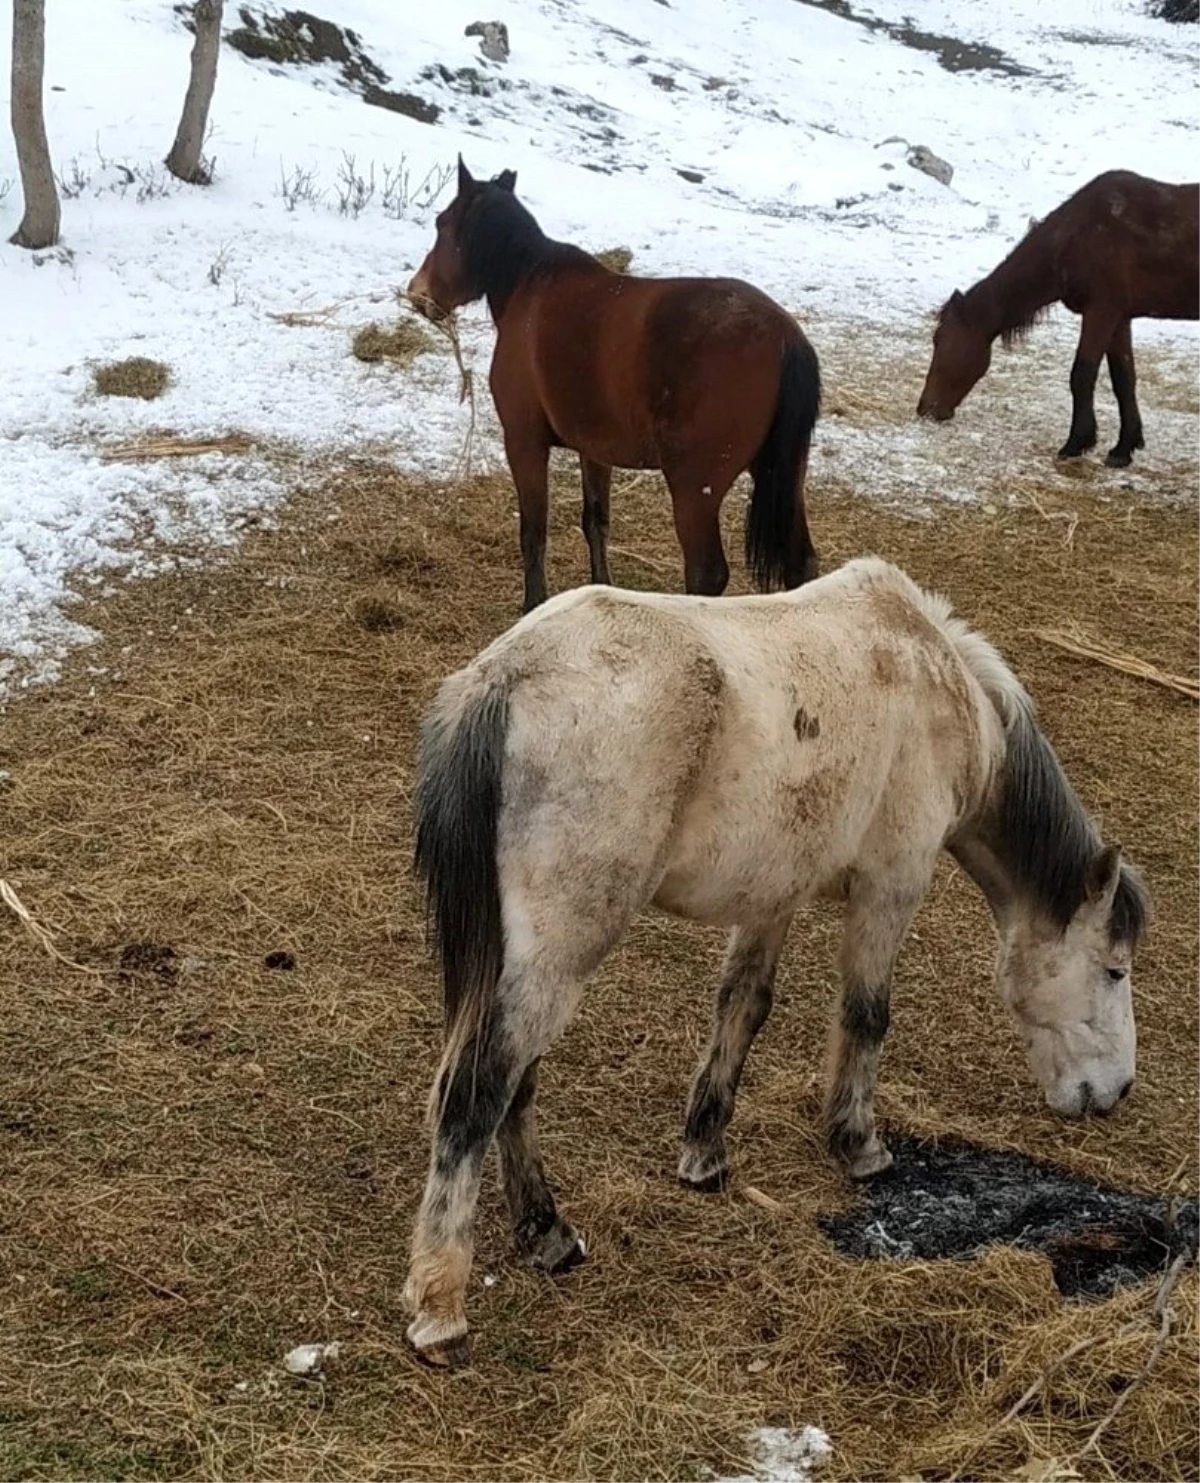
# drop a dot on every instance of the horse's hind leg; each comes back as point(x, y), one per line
point(876, 920)
point(597, 480)
point(542, 1236)
point(697, 510)
point(480, 1079)
point(743, 1004)
point(1094, 338)
point(1124, 384)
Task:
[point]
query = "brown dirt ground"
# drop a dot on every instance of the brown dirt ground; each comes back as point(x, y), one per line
point(205, 1161)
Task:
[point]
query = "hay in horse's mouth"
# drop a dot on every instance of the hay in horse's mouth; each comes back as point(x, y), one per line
point(953, 1200)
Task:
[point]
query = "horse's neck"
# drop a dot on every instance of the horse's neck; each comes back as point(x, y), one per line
point(976, 857)
point(1012, 295)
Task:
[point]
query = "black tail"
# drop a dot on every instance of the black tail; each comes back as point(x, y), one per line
point(772, 515)
point(457, 806)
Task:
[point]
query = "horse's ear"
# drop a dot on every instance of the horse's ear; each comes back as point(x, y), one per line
point(1103, 878)
point(956, 299)
point(507, 180)
point(465, 179)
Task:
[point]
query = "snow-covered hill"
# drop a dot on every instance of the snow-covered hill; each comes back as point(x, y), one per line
point(718, 136)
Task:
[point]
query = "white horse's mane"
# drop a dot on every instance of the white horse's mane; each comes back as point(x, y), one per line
point(1000, 685)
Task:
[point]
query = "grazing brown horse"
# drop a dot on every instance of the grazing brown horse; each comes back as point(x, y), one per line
point(699, 377)
point(1122, 248)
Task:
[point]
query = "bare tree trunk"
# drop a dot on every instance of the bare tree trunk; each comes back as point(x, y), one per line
point(39, 225)
point(184, 160)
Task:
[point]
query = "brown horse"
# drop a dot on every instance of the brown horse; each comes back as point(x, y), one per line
point(1122, 248)
point(699, 377)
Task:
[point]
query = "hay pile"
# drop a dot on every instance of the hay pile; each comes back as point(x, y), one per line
point(400, 343)
point(137, 376)
point(615, 259)
point(204, 1162)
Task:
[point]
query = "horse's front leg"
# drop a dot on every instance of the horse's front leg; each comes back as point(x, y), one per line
point(1124, 384)
point(877, 918)
point(528, 459)
point(743, 1004)
point(1095, 335)
point(597, 481)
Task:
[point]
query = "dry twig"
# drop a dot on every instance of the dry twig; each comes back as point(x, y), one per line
point(1118, 659)
point(1070, 516)
point(1161, 1311)
point(35, 929)
point(145, 448)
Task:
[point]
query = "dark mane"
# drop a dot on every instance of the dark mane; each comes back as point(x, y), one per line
point(1047, 841)
point(1017, 294)
point(502, 245)
point(1013, 334)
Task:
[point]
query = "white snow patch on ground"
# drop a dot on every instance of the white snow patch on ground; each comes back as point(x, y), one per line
point(784, 1456)
point(780, 107)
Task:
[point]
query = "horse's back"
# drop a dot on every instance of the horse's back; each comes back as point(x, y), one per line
point(718, 753)
point(1134, 237)
point(623, 367)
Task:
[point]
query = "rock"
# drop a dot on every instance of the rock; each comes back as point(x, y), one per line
point(493, 39)
point(922, 158)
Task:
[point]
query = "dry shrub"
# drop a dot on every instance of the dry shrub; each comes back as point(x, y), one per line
point(402, 343)
point(138, 376)
point(200, 1170)
point(615, 259)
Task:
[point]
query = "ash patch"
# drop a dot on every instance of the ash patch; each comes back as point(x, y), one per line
point(952, 1201)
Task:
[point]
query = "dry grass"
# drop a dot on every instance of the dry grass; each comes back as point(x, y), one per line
point(400, 343)
point(205, 1160)
point(138, 376)
point(615, 259)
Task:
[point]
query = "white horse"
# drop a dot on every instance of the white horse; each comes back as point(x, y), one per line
point(727, 760)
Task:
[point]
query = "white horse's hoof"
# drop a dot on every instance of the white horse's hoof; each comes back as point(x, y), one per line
point(703, 1170)
point(443, 1344)
point(872, 1160)
point(558, 1250)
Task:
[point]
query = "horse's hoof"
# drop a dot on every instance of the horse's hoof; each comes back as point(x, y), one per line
point(560, 1249)
point(708, 1184)
point(1118, 459)
point(703, 1172)
point(874, 1159)
point(451, 1354)
point(435, 1347)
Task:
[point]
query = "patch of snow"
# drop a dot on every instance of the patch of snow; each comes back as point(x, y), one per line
point(785, 1456)
point(734, 137)
point(310, 1359)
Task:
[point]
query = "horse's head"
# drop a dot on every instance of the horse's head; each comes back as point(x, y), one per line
point(1070, 992)
point(444, 281)
point(961, 355)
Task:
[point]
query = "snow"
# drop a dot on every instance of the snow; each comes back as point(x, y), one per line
point(780, 105)
point(783, 1456)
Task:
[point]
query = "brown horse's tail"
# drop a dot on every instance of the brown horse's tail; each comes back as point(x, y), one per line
point(776, 467)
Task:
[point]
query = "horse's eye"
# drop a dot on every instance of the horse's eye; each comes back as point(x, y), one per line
point(1117, 974)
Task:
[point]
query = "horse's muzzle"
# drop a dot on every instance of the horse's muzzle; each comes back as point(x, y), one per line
point(422, 300)
point(932, 413)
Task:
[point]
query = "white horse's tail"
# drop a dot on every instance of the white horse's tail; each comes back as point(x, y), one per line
point(459, 768)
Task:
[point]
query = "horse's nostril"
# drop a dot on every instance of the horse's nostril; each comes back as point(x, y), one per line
point(1125, 1090)
point(1087, 1101)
